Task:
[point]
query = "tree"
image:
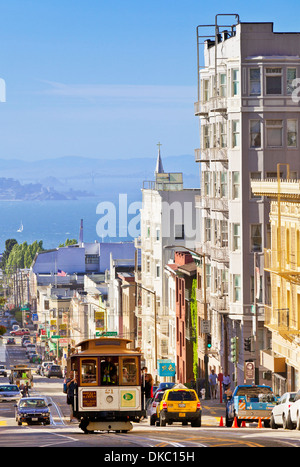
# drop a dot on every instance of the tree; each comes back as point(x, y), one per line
point(9, 244)
point(22, 255)
point(68, 242)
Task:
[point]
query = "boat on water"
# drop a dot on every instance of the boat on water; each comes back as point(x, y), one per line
point(20, 228)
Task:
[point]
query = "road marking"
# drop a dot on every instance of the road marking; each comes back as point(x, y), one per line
point(3, 423)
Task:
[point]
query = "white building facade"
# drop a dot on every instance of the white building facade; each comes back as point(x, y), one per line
point(249, 123)
point(168, 217)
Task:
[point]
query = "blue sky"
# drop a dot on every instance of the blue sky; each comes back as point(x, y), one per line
point(108, 78)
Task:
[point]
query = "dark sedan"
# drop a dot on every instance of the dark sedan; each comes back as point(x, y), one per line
point(33, 410)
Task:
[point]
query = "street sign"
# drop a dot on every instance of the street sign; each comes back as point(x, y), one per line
point(108, 334)
point(205, 326)
point(249, 370)
point(55, 337)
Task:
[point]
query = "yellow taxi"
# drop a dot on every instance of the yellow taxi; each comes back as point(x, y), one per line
point(179, 404)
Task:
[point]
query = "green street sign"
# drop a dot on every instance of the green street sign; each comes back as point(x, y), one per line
point(55, 337)
point(109, 334)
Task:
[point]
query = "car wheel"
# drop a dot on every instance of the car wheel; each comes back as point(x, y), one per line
point(272, 423)
point(162, 420)
point(152, 420)
point(289, 423)
point(196, 423)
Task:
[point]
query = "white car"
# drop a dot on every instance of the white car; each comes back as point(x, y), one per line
point(280, 413)
point(293, 419)
point(151, 408)
point(9, 392)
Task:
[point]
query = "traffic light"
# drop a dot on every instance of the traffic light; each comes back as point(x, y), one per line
point(208, 341)
point(234, 347)
point(247, 344)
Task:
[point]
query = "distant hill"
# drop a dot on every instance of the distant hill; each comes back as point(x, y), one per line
point(95, 175)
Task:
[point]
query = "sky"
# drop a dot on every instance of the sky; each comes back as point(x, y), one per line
point(108, 78)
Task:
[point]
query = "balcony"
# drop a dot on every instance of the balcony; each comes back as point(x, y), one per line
point(216, 154)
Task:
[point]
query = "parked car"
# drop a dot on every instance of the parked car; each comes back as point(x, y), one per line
point(280, 413)
point(164, 386)
point(54, 370)
point(33, 410)
point(293, 416)
point(44, 366)
point(20, 332)
point(30, 348)
point(33, 357)
point(9, 392)
point(180, 404)
point(3, 371)
point(10, 341)
point(151, 408)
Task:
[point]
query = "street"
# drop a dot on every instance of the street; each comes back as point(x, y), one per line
point(180, 439)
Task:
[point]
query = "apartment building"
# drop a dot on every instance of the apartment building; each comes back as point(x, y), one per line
point(249, 122)
point(168, 218)
point(282, 260)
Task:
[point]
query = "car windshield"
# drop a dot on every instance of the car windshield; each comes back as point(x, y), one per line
point(182, 396)
point(32, 403)
point(55, 367)
point(9, 388)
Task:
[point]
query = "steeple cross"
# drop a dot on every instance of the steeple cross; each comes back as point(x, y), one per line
point(159, 145)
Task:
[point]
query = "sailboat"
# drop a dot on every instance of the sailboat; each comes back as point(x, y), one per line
point(21, 228)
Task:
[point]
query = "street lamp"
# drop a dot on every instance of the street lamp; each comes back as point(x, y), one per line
point(203, 256)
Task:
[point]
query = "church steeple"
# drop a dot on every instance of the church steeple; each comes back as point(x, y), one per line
point(159, 167)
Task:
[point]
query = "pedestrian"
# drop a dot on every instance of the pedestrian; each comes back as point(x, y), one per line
point(213, 384)
point(226, 382)
point(143, 378)
point(71, 392)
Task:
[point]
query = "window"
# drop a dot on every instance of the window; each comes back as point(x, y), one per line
point(91, 259)
point(223, 135)
point(223, 87)
point(109, 371)
point(179, 232)
point(236, 230)
point(274, 133)
point(223, 184)
point(129, 371)
point(235, 83)
point(273, 81)
point(235, 133)
point(256, 237)
point(235, 185)
point(206, 137)
point(236, 288)
point(255, 89)
point(290, 76)
point(206, 176)
point(207, 223)
point(205, 84)
point(255, 134)
point(88, 375)
point(157, 233)
point(157, 270)
point(292, 133)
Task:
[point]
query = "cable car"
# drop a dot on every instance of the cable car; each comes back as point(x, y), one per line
point(108, 396)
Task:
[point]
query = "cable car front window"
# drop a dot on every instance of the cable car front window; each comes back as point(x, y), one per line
point(109, 371)
point(89, 371)
point(129, 371)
